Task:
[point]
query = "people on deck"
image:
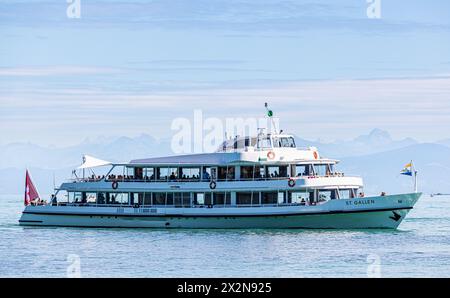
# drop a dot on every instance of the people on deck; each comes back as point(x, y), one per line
point(205, 175)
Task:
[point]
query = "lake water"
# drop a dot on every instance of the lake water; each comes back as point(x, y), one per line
point(420, 247)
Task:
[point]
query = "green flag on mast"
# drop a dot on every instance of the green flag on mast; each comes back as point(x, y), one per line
point(269, 112)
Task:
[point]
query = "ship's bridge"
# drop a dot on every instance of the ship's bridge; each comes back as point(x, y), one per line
point(270, 147)
point(260, 142)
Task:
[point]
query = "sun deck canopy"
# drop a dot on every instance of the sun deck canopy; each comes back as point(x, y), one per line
point(92, 162)
point(279, 156)
point(191, 159)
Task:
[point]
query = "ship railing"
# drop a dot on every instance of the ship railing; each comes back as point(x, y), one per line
point(150, 180)
point(118, 205)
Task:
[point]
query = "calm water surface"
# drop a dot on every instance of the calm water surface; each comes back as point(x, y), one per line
point(420, 247)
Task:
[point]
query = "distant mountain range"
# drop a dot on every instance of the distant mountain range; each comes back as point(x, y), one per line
point(375, 156)
point(119, 149)
point(445, 142)
point(381, 170)
point(376, 141)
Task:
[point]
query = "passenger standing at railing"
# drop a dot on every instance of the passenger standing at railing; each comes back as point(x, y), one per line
point(54, 200)
point(205, 175)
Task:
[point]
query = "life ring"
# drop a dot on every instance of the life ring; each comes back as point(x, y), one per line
point(115, 185)
point(316, 156)
point(136, 205)
point(270, 155)
point(212, 185)
point(291, 182)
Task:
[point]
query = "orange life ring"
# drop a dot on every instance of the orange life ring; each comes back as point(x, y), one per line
point(316, 156)
point(270, 155)
point(291, 182)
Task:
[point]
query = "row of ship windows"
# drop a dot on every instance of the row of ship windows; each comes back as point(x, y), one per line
point(219, 173)
point(264, 142)
point(210, 198)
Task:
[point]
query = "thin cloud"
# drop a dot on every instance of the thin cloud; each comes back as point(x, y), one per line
point(327, 109)
point(54, 71)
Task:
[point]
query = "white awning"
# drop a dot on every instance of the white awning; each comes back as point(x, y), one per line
point(92, 162)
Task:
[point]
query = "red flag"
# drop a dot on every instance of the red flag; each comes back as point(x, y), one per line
point(30, 190)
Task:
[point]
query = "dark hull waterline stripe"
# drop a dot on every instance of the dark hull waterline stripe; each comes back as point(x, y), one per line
point(218, 215)
point(204, 228)
point(38, 221)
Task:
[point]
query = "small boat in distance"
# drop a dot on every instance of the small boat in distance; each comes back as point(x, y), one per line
point(263, 181)
point(439, 194)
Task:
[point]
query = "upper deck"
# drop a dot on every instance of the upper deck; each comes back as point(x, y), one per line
point(264, 148)
point(274, 157)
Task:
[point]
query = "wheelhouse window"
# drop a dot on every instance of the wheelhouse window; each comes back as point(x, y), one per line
point(283, 142)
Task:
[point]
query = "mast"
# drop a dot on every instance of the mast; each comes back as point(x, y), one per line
point(270, 114)
point(413, 168)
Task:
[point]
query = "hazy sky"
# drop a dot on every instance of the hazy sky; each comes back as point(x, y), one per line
point(131, 67)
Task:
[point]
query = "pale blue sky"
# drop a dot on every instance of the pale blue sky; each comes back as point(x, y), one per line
point(130, 67)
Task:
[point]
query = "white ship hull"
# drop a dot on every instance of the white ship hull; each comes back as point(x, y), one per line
point(360, 213)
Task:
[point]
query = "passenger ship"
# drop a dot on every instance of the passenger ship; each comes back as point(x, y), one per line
point(249, 182)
